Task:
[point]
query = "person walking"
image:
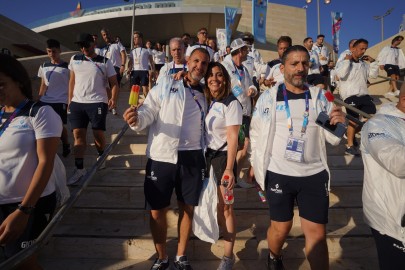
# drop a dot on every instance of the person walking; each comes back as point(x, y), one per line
point(288, 155)
point(174, 111)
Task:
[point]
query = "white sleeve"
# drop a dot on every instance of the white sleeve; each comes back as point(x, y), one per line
point(233, 114)
point(40, 72)
point(373, 70)
point(343, 69)
point(110, 69)
point(46, 123)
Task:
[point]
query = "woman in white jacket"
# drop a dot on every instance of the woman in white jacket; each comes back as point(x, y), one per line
point(383, 152)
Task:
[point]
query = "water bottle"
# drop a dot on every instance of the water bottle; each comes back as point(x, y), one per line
point(228, 195)
point(261, 193)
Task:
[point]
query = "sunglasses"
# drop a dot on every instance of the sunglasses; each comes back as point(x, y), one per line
point(203, 33)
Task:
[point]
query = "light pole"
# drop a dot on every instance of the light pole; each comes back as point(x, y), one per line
point(133, 24)
point(381, 17)
point(319, 15)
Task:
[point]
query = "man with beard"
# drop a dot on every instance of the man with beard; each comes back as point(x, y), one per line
point(289, 158)
point(202, 36)
point(174, 111)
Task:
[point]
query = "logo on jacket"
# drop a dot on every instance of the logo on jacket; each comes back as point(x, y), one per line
point(174, 90)
point(375, 135)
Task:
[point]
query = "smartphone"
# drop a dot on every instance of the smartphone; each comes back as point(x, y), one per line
point(323, 120)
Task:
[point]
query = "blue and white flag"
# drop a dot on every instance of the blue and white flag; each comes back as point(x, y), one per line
point(259, 13)
point(336, 24)
point(230, 15)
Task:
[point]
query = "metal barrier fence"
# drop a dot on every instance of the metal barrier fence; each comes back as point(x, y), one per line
point(47, 233)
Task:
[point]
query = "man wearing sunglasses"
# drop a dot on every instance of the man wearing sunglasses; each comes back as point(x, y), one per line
point(90, 77)
point(202, 36)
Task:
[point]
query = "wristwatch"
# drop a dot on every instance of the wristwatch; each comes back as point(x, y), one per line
point(26, 209)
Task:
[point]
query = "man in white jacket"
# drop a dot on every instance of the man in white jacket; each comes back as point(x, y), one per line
point(174, 111)
point(353, 73)
point(383, 152)
point(392, 59)
point(289, 158)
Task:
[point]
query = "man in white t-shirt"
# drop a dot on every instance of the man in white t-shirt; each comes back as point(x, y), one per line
point(314, 71)
point(90, 76)
point(289, 158)
point(138, 65)
point(55, 86)
point(202, 36)
point(178, 64)
point(174, 112)
point(392, 59)
point(115, 52)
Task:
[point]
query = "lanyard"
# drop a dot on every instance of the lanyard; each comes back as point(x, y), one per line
point(287, 110)
point(94, 63)
point(50, 73)
point(11, 117)
point(212, 104)
point(239, 74)
point(140, 52)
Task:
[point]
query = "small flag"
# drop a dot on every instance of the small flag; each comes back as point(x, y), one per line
point(78, 12)
point(230, 14)
point(336, 24)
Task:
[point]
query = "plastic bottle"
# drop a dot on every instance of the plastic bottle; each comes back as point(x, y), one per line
point(228, 194)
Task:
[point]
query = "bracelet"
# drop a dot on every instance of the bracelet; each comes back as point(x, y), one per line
point(26, 209)
point(228, 169)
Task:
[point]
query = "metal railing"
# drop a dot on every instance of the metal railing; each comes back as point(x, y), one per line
point(47, 233)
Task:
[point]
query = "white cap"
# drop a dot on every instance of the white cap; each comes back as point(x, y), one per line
point(237, 44)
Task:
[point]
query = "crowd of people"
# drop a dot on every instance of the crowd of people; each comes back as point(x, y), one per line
point(209, 113)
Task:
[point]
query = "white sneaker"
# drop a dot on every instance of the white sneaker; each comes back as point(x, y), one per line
point(396, 93)
point(114, 111)
point(102, 166)
point(389, 94)
point(77, 175)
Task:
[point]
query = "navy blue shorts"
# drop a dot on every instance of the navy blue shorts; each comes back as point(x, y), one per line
point(391, 252)
point(60, 109)
point(391, 70)
point(82, 113)
point(364, 103)
point(310, 192)
point(140, 77)
point(186, 177)
point(37, 222)
point(119, 77)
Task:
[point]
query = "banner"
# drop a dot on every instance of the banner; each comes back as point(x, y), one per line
point(221, 39)
point(259, 13)
point(336, 24)
point(230, 14)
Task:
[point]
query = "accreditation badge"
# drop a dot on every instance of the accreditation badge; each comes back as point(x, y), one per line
point(295, 149)
point(137, 60)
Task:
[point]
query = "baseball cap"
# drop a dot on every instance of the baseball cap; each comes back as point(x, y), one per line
point(84, 39)
point(237, 44)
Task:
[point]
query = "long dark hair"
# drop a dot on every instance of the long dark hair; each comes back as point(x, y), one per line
point(12, 68)
point(227, 89)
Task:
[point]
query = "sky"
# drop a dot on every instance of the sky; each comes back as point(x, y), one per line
point(357, 15)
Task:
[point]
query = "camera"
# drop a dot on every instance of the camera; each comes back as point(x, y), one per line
point(323, 120)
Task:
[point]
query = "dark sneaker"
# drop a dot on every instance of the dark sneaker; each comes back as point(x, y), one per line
point(275, 263)
point(226, 263)
point(355, 143)
point(182, 264)
point(352, 151)
point(160, 265)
